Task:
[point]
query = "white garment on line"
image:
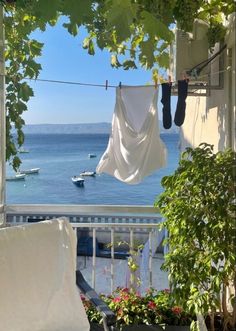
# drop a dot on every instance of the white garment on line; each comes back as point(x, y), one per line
point(135, 148)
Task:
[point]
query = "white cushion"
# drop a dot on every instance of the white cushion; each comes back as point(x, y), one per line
point(37, 278)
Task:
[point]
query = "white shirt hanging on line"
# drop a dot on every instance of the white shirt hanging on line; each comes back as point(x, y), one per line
point(134, 149)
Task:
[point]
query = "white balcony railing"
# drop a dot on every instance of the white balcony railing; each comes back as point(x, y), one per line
point(103, 225)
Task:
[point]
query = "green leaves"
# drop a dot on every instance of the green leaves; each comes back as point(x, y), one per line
point(25, 92)
point(88, 44)
point(45, 10)
point(155, 28)
point(72, 28)
point(114, 61)
point(146, 57)
point(120, 16)
point(129, 64)
point(79, 12)
point(197, 204)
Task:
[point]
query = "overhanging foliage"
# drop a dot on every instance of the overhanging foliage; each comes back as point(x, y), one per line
point(135, 32)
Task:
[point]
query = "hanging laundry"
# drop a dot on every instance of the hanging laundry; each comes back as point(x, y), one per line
point(165, 100)
point(181, 103)
point(134, 149)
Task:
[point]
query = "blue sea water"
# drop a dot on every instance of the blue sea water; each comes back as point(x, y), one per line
point(60, 157)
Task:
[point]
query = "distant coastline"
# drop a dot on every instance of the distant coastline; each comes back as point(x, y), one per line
point(79, 128)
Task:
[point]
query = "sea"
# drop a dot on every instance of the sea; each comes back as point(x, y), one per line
point(61, 156)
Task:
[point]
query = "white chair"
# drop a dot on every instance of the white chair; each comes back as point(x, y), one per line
point(38, 289)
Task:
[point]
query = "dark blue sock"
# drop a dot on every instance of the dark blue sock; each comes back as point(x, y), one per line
point(181, 104)
point(166, 110)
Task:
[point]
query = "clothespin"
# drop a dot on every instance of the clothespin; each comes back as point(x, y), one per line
point(184, 76)
point(169, 80)
point(119, 84)
point(155, 81)
point(106, 84)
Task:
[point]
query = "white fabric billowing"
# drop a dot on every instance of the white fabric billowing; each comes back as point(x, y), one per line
point(134, 149)
point(37, 275)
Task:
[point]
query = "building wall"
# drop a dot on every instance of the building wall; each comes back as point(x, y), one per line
point(211, 119)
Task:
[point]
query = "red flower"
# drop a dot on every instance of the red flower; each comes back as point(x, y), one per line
point(120, 312)
point(126, 290)
point(82, 297)
point(151, 305)
point(176, 310)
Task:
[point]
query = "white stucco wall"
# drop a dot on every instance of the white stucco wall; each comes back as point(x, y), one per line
point(212, 119)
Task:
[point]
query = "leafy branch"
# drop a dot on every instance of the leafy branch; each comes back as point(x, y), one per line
point(135, 32)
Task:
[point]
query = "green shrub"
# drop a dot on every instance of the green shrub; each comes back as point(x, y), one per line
point(198, 204)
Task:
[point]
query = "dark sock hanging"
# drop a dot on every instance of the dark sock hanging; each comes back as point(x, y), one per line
point(165, 100)
point(181, 104)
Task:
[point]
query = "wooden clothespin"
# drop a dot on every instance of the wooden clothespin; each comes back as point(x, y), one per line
point(169, 80)
point(155, 82)
point(106, 84)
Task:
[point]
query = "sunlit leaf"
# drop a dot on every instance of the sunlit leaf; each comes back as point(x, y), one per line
point(155, 28)
point(114, 61)
point(120, 17)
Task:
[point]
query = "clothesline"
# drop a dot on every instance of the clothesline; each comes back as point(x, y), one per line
point(106, 85)
point(214, 73)
point(71, 83)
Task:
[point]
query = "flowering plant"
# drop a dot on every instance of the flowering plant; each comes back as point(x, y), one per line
point(171, 313)
point(154, 307)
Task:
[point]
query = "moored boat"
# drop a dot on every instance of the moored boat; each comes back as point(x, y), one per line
point(77, 180)
point(88, 173)
point(92, 155)
point(16, 177)
point(30, 171)
point(22, 150)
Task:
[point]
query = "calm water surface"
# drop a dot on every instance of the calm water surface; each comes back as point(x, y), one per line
point(60, 157)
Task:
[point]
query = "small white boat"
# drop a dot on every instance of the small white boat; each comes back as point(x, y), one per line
point(22, 150)
point(30, 171)
point(92, 155)
point(88, 173)
point(16, 177)
point(77, 180)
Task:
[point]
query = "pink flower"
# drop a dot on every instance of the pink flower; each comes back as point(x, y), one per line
point(126, 297)
point(118, 299)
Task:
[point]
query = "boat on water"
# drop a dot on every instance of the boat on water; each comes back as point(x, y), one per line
point(92, 155)
point(78, 181)
point(88, 173)
point(22, 150)
point(16, 177)
point(30, 171)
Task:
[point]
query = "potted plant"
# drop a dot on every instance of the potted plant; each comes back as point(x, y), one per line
point(153, 311)
point(198, 204)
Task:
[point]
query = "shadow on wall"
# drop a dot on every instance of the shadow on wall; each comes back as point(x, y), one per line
point(216, 103)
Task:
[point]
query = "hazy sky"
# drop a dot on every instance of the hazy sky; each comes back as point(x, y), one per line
point(64, 59)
